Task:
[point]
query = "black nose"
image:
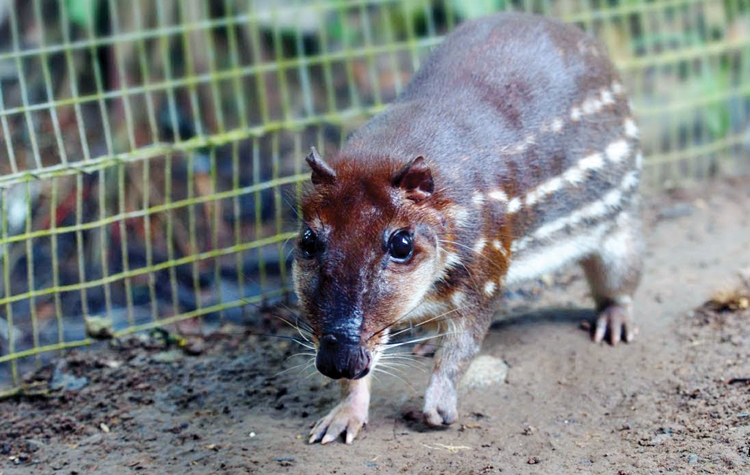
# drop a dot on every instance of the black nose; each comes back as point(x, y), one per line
point(341, 358)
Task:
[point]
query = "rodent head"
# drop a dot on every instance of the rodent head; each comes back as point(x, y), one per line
point(366, 255)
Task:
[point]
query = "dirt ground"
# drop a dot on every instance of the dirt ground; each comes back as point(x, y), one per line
point(675, 401)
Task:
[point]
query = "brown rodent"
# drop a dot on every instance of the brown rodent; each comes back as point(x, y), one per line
point(512, 151)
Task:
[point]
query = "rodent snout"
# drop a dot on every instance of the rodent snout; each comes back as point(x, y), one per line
point(339, 358)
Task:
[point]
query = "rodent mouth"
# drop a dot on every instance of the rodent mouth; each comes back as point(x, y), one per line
point(363, 373)
point(337, 360)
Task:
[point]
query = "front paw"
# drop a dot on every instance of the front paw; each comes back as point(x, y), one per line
point(616, 322)
point(440, 403)
point(348, 416)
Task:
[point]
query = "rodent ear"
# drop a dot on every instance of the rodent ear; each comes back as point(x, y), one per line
point(322, 173)
point(415, 179)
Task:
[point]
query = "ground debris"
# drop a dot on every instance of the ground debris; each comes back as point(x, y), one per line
point(730, 300)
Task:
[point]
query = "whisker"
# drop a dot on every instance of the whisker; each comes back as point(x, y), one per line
point(296, 326)
point(299, 354)
point(405, 359)
point(406, 354)
point(416, 340)
point(306, 365)
point(394, 376)
point(398, 370)
point(313, 373)
point(285, 337)
point(411, 327)
point(395, 322)
point(394, 365)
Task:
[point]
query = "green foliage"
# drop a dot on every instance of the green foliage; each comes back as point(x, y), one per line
point(82, 12)
point(468, 9)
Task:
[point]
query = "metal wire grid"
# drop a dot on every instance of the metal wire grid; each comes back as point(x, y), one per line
point(148, 162)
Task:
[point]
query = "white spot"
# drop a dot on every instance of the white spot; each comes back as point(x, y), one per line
point(489, 288)
point(557, 125)
point(498, 195)
point(591, 162)
point(497, 245)
point(575, 114)
point(573, 175)
point(618, 150)
point(613, 198)
point(607, 97)
point(630, 181)
point(480, 245)
point(590, 106)
point(617, 88)
point(631, 130)
point(514, 205)
point(457, 298)
point(460, 216)
point(477, 198)
point(546, 188)
point(452, 259)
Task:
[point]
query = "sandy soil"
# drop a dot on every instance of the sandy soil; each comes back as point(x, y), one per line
point(672, 402)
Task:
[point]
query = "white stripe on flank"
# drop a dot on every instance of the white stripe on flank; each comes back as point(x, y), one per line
point(599, 208)
point(477, 198)
point(607, 97)
point(546, 188)
point(573, 175)
point(514, 205)
point(489, 288)
point(631, 130)
point(554, 254)
point(498, 195)
point(591, 162)
point(617, 150)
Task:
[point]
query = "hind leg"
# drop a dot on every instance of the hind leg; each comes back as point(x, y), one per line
point(613, 273)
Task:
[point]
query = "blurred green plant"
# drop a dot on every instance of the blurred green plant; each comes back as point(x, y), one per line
point(81, 12)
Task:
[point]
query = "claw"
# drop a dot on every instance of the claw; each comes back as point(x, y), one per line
point(615, 321)
point(347, 418)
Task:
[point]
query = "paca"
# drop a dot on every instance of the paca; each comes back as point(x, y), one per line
point(513, 151)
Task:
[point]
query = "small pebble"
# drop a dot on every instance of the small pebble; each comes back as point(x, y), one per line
point(533, 460)
point(484, 371)
point(252, 434)
point(692, 458)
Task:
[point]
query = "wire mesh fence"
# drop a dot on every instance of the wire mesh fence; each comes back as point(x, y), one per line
point(153, 150)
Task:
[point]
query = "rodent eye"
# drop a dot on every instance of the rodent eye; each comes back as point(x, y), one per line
point(309, 243)
point(401, 246)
